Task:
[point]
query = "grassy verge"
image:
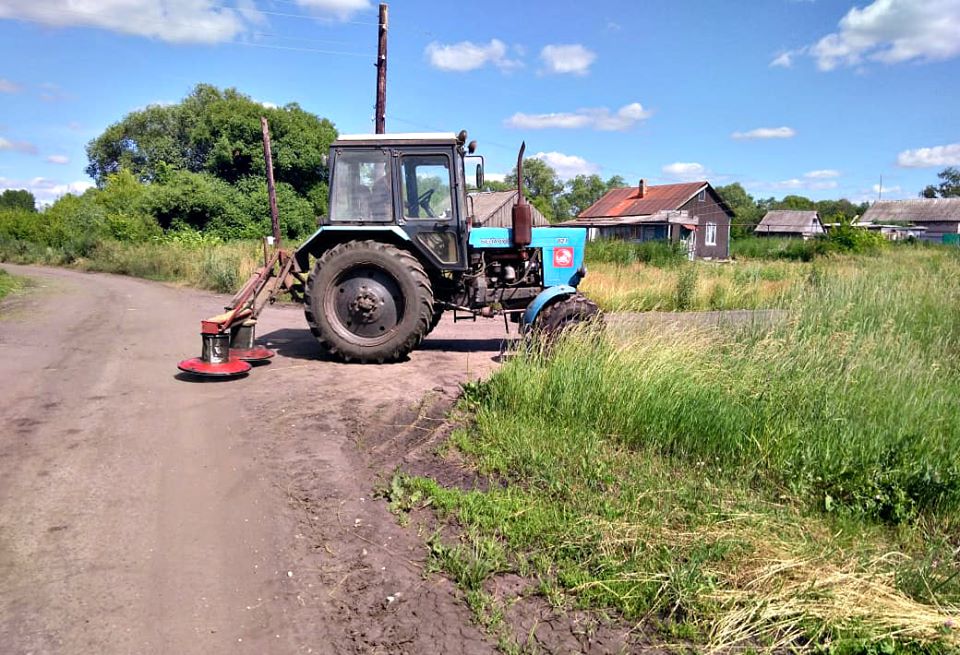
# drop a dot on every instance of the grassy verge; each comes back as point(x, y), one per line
point(796, 487)
point(759, 278)
point(9, 284)
point(198, 262)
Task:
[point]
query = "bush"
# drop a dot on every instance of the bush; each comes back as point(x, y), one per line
point(199, 201)
point(297, 216)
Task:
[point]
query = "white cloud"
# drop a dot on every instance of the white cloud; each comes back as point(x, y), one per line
point(6, 86)
point(46, 191)
point(685, 171)
point(798, 184)
point(574, 59)
point(890, 32)
point(176, 21)
point(567, 166)
point(596, 118)
point(784, 59)
point(765, 133)
point(948, 155)
point(342, 9)
point(822, 174)
point(495, 177)
point(468, 56)
point(18, 146)
point(58, 159)
point(887, 189)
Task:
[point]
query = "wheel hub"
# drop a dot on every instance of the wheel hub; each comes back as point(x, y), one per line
point(366, 302)
point(365, 307)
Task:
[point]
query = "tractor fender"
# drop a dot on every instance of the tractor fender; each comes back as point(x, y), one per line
point(312, 246)
point(543, 299)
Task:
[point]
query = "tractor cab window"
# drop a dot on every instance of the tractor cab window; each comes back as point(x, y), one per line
point(426, 187)
point(362, 190)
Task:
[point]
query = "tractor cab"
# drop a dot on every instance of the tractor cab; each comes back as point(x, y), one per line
point(412, 181)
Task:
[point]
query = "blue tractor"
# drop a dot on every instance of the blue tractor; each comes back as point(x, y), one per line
point(400, 248)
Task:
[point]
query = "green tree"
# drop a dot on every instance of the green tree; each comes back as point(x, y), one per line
point(541, 186)
point(218, 132)
point(949, 186)
point(18, 199)
point(583, 191)
point(801, 203)
point(494, 185)
point(746, 211)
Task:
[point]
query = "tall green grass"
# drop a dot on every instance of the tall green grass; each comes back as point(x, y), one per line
point(661, 254)
point(792, 486)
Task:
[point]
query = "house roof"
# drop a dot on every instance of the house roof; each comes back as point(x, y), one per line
point(920, 210)
point(487, 203)
point(617, 203)
point(788, 220)
point(493, 208)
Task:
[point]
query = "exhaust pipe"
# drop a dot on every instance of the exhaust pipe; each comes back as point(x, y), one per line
point(522, 214)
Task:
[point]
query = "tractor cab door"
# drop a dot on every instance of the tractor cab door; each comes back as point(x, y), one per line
point(429, 200)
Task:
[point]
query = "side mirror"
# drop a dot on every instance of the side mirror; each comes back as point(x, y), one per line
point(479, 176)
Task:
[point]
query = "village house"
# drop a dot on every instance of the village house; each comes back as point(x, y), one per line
point(790, 223)
point(940, 217)
point(691, 213)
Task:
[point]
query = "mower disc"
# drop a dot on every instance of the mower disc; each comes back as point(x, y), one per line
point(255, 354)
point(228, 369)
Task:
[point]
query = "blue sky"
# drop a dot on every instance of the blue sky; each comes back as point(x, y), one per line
point(815, 97)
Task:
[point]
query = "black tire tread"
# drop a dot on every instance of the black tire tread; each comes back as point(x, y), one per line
point(565, 312)
point(385, 353)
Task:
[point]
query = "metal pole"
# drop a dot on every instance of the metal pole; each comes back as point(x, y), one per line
point(271, 189)
point(380, 119)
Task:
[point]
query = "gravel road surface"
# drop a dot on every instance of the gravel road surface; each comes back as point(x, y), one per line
point(143, 513)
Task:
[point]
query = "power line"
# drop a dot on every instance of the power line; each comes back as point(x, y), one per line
point(296, 49)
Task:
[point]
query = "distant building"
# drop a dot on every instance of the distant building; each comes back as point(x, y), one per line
point(939, 216)
point(893, 232)
point(790, 223)
point(494, 209)
point(690, 213)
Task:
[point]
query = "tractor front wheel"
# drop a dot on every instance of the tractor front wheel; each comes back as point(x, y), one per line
point(567, 312)
point(368, 301)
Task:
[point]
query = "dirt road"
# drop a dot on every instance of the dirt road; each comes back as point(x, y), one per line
point(140, 513)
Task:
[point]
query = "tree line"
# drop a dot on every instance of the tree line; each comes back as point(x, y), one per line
point(198, 165)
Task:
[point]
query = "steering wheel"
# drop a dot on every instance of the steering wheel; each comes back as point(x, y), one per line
point(424, 202)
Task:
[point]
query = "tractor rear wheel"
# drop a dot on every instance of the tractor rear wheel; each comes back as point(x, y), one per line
point(435, 320)
point(568, 312)
point(368, 301)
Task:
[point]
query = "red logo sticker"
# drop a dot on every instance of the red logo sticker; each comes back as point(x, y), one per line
point(563, 257)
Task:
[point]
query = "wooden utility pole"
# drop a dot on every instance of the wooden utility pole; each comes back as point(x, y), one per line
point(271, 188)
point(381, 117)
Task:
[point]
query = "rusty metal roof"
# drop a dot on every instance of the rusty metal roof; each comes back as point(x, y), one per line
point(627, 202)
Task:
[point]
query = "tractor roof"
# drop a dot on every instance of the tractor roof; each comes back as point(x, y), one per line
point(446, 138)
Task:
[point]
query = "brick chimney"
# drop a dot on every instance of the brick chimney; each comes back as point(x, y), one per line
point(642, 188)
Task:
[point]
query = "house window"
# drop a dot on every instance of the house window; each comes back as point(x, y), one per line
point(702, 196)
point(710, 238)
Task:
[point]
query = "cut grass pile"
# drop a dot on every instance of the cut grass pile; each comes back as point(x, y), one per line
point(9, 284)
point(795, 486)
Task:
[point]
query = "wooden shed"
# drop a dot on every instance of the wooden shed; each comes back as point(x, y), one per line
point(494, 209)
point(790, 223)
